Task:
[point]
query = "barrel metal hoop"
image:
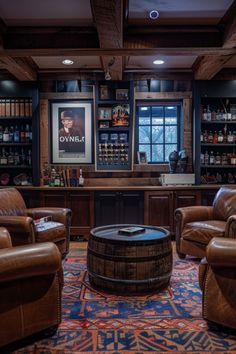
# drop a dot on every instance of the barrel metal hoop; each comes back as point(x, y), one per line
point(160, 278)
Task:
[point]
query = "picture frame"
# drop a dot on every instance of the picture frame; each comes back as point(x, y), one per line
point(104, 113)
point(120, 115)
point(122, 94)
point(104, 93)
point(104, 124)
point(142, 157)
point(71, 131)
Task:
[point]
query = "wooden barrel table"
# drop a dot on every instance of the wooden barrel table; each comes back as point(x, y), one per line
point(129, 264)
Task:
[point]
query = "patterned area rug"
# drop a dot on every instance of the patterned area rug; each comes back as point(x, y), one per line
point(95, 322)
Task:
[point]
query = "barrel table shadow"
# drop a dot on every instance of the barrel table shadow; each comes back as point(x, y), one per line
point(129, 264)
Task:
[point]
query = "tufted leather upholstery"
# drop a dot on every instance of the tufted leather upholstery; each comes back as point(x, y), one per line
point(31, 281)
point(19, 221)
point(197, 225)
point(217, 279)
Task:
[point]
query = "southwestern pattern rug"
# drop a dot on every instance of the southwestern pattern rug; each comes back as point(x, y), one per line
point(170, 321)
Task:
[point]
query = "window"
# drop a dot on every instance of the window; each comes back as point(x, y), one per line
point(158, 127)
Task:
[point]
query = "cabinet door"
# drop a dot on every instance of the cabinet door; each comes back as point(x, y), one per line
point(31, 198)
point(208, 196)
point(187, 198)
point(131, 207)
point(107, 208)
point(158, 209)
point(82, 206)
point(53, 199)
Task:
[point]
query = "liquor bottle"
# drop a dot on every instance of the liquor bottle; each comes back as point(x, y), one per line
point(201, 137)
point(52, 177)
point(11, 134)
point(211, 158)
point(3, 160)
point(210, 138)
point(204, 116)
point(217, 159)
point(16, 157)
point(6, 135)
point(81, 178)
point(10, 157)
point(208, 113)
point(220, 137)
point(22, 134)
point(215, 138)
point(206, 158)
point(205, 137)
point(230, 138)
point(16, 136)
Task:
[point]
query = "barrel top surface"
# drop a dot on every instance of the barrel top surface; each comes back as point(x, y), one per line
point(111, 232)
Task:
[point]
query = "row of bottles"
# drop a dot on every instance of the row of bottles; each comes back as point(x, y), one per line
point(113, 154)
point(60, 178)
point(218, 178)
point(218, 137)
point(16, 134)
point(16, 107)
point(217, 159)
point(15, 157)
point(224, 114)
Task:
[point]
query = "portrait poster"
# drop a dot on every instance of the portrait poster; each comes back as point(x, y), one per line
point(71, 132)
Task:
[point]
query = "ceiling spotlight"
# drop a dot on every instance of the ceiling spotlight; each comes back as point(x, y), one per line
point(154, 14)
point(158, 62)
point(107, 75)
point(67, 62)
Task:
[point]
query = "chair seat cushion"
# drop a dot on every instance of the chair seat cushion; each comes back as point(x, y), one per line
point(203, 231)
point(51, 231)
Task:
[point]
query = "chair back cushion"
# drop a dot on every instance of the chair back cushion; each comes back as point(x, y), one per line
point(11, 202)
point(224, 204)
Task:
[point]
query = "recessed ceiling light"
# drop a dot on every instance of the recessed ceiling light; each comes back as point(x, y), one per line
point(154, 14)
point(67, 62)
point(158, 62)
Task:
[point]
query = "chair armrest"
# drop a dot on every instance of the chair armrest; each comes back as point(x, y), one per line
point(221, 252)
point(190, 214)
point(5, 238)
point(28, 261)
point(62, 215)
point(230, 228)
point(21, 228)
point(193, 213)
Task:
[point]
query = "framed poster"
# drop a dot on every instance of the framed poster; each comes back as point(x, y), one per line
point(71, 132)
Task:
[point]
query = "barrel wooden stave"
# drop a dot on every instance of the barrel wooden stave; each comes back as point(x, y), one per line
point(129, 267)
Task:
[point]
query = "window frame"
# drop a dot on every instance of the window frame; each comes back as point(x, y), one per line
point(180, 125)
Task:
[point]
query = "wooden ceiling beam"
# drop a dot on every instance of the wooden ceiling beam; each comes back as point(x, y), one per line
point(230, 29)
point(20, 68)
point(108, 18)
point(143, 51)
point(205, 68)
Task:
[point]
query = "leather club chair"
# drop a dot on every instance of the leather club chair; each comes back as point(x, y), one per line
point(19, 221)
point(197, 225)
point(217, 279)
point(31, 281)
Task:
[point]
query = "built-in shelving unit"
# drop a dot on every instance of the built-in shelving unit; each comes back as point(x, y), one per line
point(19, 153)
point(215, 138)
point(114, 119)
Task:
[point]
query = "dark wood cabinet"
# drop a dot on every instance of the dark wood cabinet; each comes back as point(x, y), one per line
point(158, 208)
point(80, 202)
point(115, 207)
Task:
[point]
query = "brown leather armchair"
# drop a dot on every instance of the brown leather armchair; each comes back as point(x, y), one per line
point(197, 225)
point(31, 281)
point(20, 221)
point(217, 279)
